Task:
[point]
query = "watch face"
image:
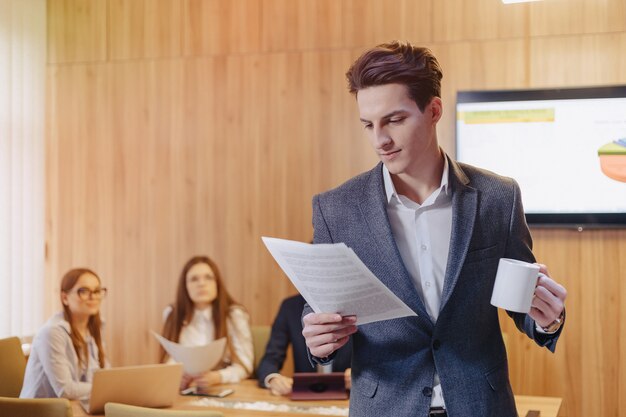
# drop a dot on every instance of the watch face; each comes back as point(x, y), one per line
point(555, 325)
point(552, 327)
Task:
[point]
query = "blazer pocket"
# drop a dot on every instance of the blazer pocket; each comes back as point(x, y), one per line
point(366, 387)
point(497, 377)
point(482, 253)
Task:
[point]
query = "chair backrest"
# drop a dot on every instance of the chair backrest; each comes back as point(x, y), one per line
point(123, 410)
point(12, 366)
point(260, 337)
point(35, 407)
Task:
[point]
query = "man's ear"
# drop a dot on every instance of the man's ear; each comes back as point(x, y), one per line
point(436, 109)
point(64, 298)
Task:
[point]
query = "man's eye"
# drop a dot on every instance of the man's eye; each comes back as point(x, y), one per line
point(367, 126)
point(396, 120)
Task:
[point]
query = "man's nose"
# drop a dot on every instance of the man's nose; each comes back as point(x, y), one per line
point(382, 139)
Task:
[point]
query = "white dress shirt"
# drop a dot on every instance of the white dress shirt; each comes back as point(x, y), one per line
point(422, 233)
point(201, 331)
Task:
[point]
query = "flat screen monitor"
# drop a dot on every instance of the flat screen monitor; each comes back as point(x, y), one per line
point(565, 147)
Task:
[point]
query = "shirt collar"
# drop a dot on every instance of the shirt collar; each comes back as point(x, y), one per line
point(205, 314)
point(59, 320)
point(390, 189)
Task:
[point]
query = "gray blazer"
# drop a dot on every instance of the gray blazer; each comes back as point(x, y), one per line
point(394, 361)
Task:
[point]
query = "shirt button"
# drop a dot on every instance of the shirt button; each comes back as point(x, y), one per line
point(427, 391)
point(424, 247)
point(427, 284)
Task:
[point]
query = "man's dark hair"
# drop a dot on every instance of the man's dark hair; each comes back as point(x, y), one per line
point(398, 63)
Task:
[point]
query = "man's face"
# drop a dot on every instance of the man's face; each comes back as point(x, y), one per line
point(402, 136)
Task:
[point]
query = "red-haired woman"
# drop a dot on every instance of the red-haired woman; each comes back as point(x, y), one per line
point(204, 312)
point(68, 348)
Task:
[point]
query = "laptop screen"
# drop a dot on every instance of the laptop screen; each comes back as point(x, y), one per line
point(146, 386)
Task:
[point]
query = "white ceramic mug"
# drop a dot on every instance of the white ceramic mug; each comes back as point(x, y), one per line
point(515, 285)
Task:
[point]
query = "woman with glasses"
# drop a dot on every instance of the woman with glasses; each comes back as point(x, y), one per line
point(204, 312)
point(68, 348)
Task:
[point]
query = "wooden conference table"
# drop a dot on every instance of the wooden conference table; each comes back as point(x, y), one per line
point(248, 392)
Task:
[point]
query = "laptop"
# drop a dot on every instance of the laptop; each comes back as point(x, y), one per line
point(146, 386)
point(312, 386)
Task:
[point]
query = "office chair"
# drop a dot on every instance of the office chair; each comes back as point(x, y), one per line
point(12, 366)
point(123, 410)
point(35, 407)
point(260, 337)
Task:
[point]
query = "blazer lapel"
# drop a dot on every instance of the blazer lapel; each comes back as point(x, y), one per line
point(373, 208)
point(464, 206)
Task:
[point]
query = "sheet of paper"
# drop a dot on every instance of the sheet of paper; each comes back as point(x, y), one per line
point(195, 359)
point(332, 279)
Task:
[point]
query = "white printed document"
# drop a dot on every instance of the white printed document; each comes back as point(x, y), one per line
point(195, 359)
point(332, 279)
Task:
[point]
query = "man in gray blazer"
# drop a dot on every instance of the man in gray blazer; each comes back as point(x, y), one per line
point(432, 230)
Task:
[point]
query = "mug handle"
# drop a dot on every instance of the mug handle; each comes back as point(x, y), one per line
point(540, 274)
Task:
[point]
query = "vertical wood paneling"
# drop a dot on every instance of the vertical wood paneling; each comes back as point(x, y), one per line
point(474, 66)
point(145, 28)
point(221, 26)
point(307, 24)
point(76, 30)
point(577, 17)
point(578, 60)
point(371, 22)
point(460, 20)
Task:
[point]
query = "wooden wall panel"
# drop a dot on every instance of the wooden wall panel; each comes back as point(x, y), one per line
point(618, 352)
point(306, 24)
point(221, 27)
point(145, 28)
point(371, 22)
point(460, 20)
point(578, 60)
point(76, 30)
point(474, 66)
point(576, 17)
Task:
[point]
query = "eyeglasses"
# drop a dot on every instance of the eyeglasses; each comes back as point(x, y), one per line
point(97, 294)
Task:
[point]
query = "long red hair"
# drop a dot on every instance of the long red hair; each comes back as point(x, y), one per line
point(93, 325)
point(183, 308)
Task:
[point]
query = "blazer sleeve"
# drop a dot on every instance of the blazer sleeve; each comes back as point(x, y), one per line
point(321, 232)
point(519, 246)
point(276, 349)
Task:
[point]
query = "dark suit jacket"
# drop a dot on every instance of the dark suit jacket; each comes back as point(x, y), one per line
point(394, 361)
point(286, 329)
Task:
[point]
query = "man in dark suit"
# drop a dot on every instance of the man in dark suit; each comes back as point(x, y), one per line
point(432, 230)
point(287, 329)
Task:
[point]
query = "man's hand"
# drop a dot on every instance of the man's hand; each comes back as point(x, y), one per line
point(327, 332)
point(549, 300)
point(280, 385)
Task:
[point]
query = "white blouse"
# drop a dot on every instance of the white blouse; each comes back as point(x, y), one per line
point(53, 368)
point(201, 331)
